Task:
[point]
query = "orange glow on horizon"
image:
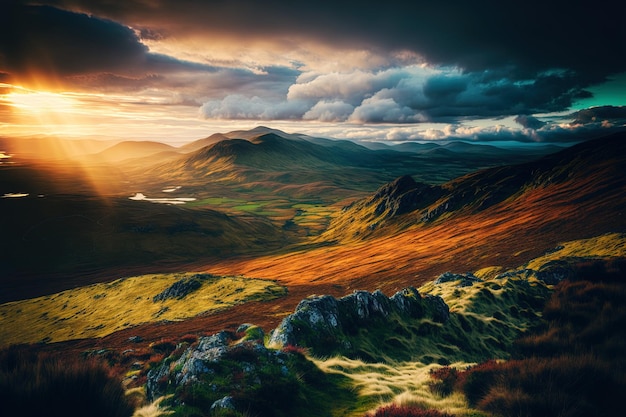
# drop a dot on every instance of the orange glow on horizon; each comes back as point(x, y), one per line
point(43, 111)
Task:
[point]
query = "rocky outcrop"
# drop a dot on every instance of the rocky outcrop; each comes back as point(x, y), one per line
point(464, 280)
point(222, 373)
point(403, 195)
point(181, 288)
point(326, 325)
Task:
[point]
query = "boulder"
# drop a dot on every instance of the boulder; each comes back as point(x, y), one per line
point(326, 325)
point(465, 280)
point(181, 288)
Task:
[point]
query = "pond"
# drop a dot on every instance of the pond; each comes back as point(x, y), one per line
point(173, 200)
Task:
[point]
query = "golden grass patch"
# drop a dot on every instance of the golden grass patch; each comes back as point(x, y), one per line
point(608, 245)
point(401, 383)
point(101, 309)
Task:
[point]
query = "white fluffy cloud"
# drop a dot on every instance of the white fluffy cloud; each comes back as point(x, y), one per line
point(355, 86)
point(384, 110)
point(329, 111)
point(237, 106)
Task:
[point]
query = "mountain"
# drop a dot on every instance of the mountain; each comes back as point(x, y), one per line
point(131, 150)
point(264, 158)
point(201, 143)
point(591, 173)
point(290, 163)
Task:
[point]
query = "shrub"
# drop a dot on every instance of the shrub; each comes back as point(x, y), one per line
point(33, 384)
point(296, 350)
point(165, 346)
point(189, 338)
point(445, 380)
point(568, 385)
point(394, 410)
point(575, 365)
point(477, 380)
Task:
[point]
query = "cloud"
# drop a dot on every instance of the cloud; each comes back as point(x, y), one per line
point(417, 93)
point(472, 35)
point(40, 39)
point(237, 106)
point(600, 114)
point(343, 61)
point(329, 111)
point(384, 110)
point(529, 122)
point(351, 87)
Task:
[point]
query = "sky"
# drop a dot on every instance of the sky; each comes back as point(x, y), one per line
point(179, 70)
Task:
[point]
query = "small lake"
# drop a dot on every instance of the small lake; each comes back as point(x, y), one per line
point(173, 200)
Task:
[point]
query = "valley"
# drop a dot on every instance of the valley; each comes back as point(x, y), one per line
point(272, 219)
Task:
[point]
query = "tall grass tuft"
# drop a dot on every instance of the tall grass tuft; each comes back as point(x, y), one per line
point(39, 385)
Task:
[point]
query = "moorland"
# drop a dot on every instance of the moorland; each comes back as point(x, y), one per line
point(449, 279)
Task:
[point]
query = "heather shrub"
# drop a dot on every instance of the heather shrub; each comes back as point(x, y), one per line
point(39, 385)
point(444, 380)
point(297, 350)
point(394, 410)
point(573, 386)
point(575, 365)
point(189, 338)
point(164, 346)
point(478, 380)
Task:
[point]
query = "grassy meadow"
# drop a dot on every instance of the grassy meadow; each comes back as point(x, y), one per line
point(101, 309)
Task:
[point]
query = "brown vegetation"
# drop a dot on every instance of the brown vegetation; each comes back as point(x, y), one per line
point(38, 385)
point(574, 366)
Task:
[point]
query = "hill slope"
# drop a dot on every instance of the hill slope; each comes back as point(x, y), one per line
point(502, 216)
point(592, 173)
point(131, 150)
point(296, 165)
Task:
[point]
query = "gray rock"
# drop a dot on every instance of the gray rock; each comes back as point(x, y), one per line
point(465, 280)
point(181, 288)
point(225, 403)
point(327, 325)
point(439, 309)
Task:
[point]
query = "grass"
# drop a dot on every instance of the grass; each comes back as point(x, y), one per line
point(401, 356)
point(101, 309)
point(610, 245)
point(259, 382)
point(494, 314)
point(575, 364)
point(312, 217)
point(385, 383)
point(154, 409)
point(394, 410)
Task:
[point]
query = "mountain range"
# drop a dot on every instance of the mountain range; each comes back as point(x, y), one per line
point(254, 223)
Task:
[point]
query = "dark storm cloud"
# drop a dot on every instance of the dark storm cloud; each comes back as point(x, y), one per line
point(528, 37)
point(529, 122)
point(81, 50)
point(486, 58)
point(600, 114)
point(40, 39)
point(514, 58)
point(45, 40)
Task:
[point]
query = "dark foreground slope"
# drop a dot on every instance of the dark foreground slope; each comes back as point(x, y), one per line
point(56, 242)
